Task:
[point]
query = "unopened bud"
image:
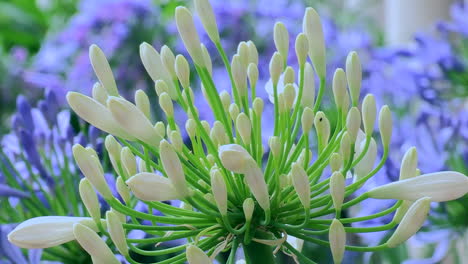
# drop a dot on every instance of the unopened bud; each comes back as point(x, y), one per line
point(337, 189)
point(337, 238)
point(116, 232)
point(307, 120)
point(345, 147)
point(176, 140)
point(219, 190)
point(249, 207)
point(354, 75)
point(94, 245)
point(308, 94)
point(142, 102)
point(207, 59)
point(188, 33)
point(369, 111)
point(252, 73)
point(166, 104)
point(182, 70)
point(366, 164)
point(244, 127)
point(411, 222)
point(353, 123)
point(90, 199)
point(409, 164)
point(205, 12)
point(144, 184)
point(113, 149)
point(233, 111)
point(99, 93)
point(191, 127)
point(336, 162)
point(173, 167)
point(128, 161)
point(168, 59)
point(312, 27)
point(102, 69)
point(288, 75)
point(301, 184)
point(339, 88)
point(160, 128)
point(302, 48)
point(234, 157)
point(256, 182)
point(243, 52)
point(281, 39)
point(276, 67)
point(289, 94)
point(275, 146)
point(253, 53)
point(196, 256)
point(322, 126)
point(385, 125)
point(239, 74)
point(258, 106)
point(122, 189)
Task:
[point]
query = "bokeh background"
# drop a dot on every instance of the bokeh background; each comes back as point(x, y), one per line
point(414, 56)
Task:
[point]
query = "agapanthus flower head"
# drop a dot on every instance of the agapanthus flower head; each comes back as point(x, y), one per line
point(232, 197)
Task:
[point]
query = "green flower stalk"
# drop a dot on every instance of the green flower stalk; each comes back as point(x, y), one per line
point(231, 198)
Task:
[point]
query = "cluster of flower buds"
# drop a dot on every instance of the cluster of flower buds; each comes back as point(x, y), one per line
point(230, 196)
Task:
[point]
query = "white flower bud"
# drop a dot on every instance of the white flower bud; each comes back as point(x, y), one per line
point(409, 164)
point(366, 164)
point(160, 87)
point(337, 189)
point(244, 127)
point(189, 35)
point(339, 88)
point(401, 211)
point(252, 73)
point(96, 114)
point(248, 207)
point(275, 146)
point(276, 67)
point(152, 187)
point(239, 74)
point(301, 184)
point(289, 94)
point(369, 111)
point(243, 52)
point(142, 102)
point(113, 149)
point(128, 161)
point(142, 166)
point(102, 69)
point(206, 126)
point(258, 106)
point(253, 53)
point(307, 120)
point(225, 100)
point(345, 147)
point(234, 157)
point(154, 66)
point(47, 231)
point(337, 238)
point(173, 168)
point(166, 104)
point(191, 127)
point(182, 70)
point(308, 94)
point(302, 48)
point(288, 75)
point(196, 256)
point(176, 140)
point(205, 12)
point(322, 126)
point(281, 39)
point(256, 182)
point(336, 162)
point(312, 27)
point(90, 199)
point(116, 232)
point(218, 133)
point(353, 123)
point(122, 189)
point(93, 244)
point(411, 222)
point(234, 111)
point(92, 170)
point(207, 59)
point(99, 93)
point(160, 129)
point(168, 59)
point(385, 125)
point(133, 120)
point(354, 76)
point(439, 186)
point(219, 190)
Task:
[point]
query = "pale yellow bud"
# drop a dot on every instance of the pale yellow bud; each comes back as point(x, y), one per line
point(117, 232)
point(312, 27)
point(369, 111)
point(253, 53)
point(218, 133)
point(244, 127)
point(182, 70)
point(225, 100)
point(122, 189)
point(302, 48)
point(353, 122)
point(276, 67)
point(152, 187)
point(189, 35)
point(385, 125)
point(248, 207)
point(411, 222)
point(160, 128)
point(239, 74)
point(219, 190)
point(300, 181)
point(168, 59)
point(205, 12)
point(233, 111)
point(252, 73)
point(176, 140)
point(256, 182)
point(113, 149)
point(234, 157)
point(322, 126)
point(345, 147)
point(258, 106)
point(336, 162)
point(128, 161)
point(289, 94)
point(196, 256)
point(166, 104)
point(354, 70)
point(90, 199)
point(173, 168)
point(337, 189)
point(94, 245)
point(142, 102)
point(99, 93)
point(102, 69)
point(275, 145)
point(281, 39)
point(191, 127)
point(206, 126)
point(307, 120)
point(308, 94)
point(409, 164)
point(339, 88)
point(337, 238)
point(243, 52)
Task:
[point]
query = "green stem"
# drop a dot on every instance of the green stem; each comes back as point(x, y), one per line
point(258, 253)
